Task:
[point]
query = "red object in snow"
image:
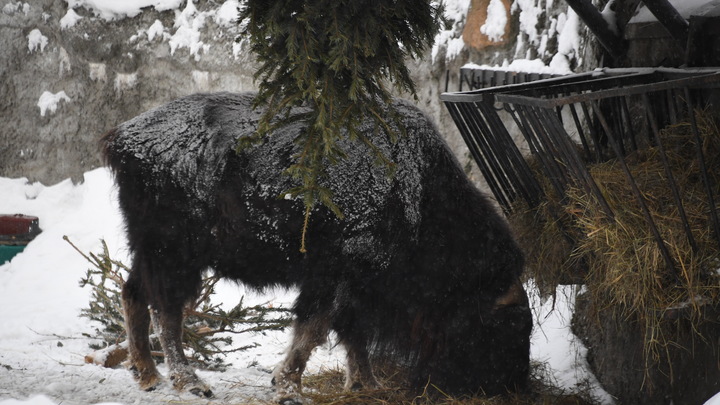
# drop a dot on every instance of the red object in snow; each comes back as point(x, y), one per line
point(19, 225)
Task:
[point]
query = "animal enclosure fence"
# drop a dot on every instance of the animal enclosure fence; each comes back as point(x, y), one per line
point(572, 122)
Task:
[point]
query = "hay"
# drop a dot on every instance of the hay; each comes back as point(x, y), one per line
point(622, 264)
point(326, 388)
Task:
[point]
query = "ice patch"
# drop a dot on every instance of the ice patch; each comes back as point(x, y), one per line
point(49, 101)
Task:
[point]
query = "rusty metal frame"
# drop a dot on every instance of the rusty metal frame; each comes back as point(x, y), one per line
point(597, 107)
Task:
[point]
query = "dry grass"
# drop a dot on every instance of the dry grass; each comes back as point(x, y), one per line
point(326, 388)
point(620, 261)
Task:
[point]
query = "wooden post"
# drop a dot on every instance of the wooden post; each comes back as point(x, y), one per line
point(669, 17)
point(610, 40)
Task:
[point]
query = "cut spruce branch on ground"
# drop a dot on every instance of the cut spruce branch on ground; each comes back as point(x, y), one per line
point(207, 328)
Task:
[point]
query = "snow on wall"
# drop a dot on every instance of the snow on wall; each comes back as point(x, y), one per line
point(113, 9)
point(451, 39)
point(70, 19)
point(36, 40)
point(49, 101)
point(496, 21)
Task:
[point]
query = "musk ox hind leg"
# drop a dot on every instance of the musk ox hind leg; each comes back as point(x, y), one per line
point(287, 378)
point(137, 324)
point(168, 324)
point(149, 286)
point(359, 374)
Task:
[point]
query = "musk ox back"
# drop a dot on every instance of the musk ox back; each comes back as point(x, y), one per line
point(421, 271)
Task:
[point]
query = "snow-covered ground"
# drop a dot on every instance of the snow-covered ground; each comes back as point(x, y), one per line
point(43, 340)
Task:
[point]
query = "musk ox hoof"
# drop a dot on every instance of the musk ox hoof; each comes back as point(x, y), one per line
point(290, 401)
point(186, 380)
point(202, 392)
point(147, 379)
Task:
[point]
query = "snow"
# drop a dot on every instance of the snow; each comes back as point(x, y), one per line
point(188, 24)
point(451, 39)
point(36, 40)
point(552, 337)
point(156, 30)
point(113, 9)
point(715, 400)
point(43, 340)
point(124, 81)
point(528, 17)
point(50, 102)
point(98, 72)
point(522, 65)
point(227, 14)
point(11, 8)
point(70, 19)
point(496, 21)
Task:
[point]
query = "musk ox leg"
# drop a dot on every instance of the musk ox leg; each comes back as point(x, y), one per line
point(137, 324)
point(307, 336)
point(168, 324)
point(359, 374)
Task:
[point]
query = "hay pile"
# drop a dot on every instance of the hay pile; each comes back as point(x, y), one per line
point(620, 261)
point(326, 388)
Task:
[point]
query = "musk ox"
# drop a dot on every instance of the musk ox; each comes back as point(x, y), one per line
point(421, 271)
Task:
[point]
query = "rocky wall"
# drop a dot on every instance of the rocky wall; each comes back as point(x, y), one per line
point(68, 75)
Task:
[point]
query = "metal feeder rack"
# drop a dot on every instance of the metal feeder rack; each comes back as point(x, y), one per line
point(570, 121)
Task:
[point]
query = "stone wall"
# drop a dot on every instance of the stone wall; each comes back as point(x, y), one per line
point(109, 71)
point(112, 69)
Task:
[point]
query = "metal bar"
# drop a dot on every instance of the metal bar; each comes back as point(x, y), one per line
point(694, 81)
point(702, 166)
point(593, 133)
point(672, 110)
point(668, 173)
point(581, 133)
point(638, 195)
point(538, 149)
point(468, 137)
point(482, 158)
point(559, 175)
point(515, 160)
point(574, 162)
point(669, 17)
point(614, 109)
point(479, 127)
point(500, 142)
point(628, 123)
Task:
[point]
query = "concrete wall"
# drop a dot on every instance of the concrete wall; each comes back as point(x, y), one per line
point(111, 70)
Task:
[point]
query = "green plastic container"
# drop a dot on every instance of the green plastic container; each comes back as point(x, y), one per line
point(7, 252)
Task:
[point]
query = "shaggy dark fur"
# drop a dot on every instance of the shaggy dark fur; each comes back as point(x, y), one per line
point(422, 270)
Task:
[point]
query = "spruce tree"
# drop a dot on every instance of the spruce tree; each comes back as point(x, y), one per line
point(337, 56)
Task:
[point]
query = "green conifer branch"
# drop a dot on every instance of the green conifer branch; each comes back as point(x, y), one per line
point(335, 56)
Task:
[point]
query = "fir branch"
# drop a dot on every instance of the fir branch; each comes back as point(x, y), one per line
point(206, 327)
point(334, 56)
